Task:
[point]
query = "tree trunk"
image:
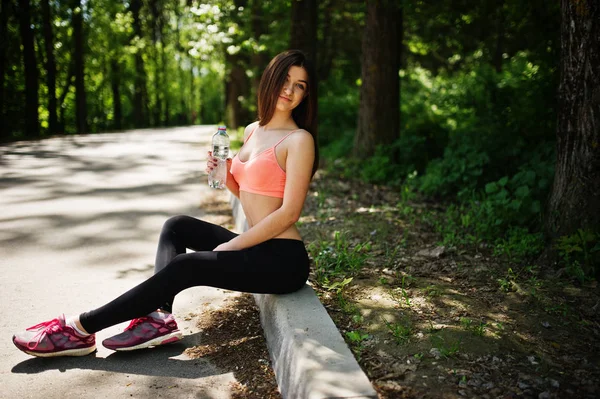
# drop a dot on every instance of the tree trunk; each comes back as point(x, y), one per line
point(259, 60)
point(163, 65)
point(182, 115)
point(80, 96)
point(379, 110)
point(139, 96)
point(4, 9)
point(236, 87)
point(115, 84)
point(63, 96)
point(32, 126)
point(575, 198)
point(183, 107)
point(499, 48)
point(50, 67)
point(167, 108)
point(326, 46)
point(303, 33)
point(194, 112)
point(156, 11)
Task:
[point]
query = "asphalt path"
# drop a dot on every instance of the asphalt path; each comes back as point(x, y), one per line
point(79, 222)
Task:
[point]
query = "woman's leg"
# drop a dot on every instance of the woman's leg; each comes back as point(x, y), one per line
point(277, 266)
point(182, 232)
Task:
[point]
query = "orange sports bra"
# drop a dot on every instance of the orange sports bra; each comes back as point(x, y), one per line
point(260, 174)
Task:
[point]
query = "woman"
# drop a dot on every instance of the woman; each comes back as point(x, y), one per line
point(270, 175)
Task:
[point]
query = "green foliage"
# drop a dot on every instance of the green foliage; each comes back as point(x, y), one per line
point(479, 138)
point(338, 112)
point(463, 130)
point(401, 331)
point(432, 291)
point(175, 55)
point(377, 168)
point(503, 213)
point(466, 323)
point(580, 253)
point(383, 167)
point(477, 329)
point(400, 294)
point(336, 258)
point(519, 244)
point(337, 151)
point(515, 278)
point(488, 119)
point(505, 283)
point(459, 169)
point(446, 347)
point(338, 286)
point(476, 131)
point(356, 340)
point(356, 336)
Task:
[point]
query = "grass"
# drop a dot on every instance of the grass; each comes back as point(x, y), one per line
point(400, 331)
point(337, 258)
point(360, 254)
point(432, 291)
point(400, 294)
point(447, 348)
point(356, 339)
point(477, 329)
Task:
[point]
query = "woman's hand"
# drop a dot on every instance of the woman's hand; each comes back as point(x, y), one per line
point(226, 246)
point(211, 163)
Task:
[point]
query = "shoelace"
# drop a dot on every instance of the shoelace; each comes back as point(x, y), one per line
point(45, 328)
point(136, 322)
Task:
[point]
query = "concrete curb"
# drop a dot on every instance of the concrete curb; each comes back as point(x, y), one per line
point(309, 356)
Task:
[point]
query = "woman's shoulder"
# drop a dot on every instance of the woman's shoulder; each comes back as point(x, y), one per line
point(249, 129)
point(300, 139)
point(301, 135)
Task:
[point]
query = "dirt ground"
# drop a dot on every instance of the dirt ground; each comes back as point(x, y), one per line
point(424, 321)
point(233, 340)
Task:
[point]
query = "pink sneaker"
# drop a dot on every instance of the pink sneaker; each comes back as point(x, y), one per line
point(145, 332)
point(54, 338)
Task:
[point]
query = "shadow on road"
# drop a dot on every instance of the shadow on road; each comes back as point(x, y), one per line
point(157, 362)
point(119, 184)
point(80, 213)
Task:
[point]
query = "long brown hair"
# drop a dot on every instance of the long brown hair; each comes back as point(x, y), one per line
point(271, 83)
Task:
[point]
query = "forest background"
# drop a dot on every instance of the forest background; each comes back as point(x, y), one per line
point(452, 101)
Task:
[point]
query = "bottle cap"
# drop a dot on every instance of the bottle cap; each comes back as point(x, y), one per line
point(222, 127)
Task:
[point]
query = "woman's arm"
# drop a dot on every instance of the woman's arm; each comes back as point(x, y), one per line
point(231, 183)
point(298, 166)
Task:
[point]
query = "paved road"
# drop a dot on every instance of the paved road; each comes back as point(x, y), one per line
point(79, 225)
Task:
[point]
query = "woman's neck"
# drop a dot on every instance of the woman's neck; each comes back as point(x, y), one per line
point(280, 120)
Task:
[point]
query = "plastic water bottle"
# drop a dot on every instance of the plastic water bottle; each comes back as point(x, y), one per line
point(220, 150)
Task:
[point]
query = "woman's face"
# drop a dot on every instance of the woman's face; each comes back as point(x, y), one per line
point(294, 89)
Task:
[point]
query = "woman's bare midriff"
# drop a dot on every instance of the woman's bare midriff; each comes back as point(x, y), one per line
point(257, 207)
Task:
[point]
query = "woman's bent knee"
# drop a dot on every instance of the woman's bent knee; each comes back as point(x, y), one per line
point(173, 222)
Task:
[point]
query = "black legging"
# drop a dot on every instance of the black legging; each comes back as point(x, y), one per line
point(276, 266)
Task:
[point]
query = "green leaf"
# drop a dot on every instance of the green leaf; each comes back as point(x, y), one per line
point(502, 195)
point(530, 176)
point(522, 192)
point(491, 188)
